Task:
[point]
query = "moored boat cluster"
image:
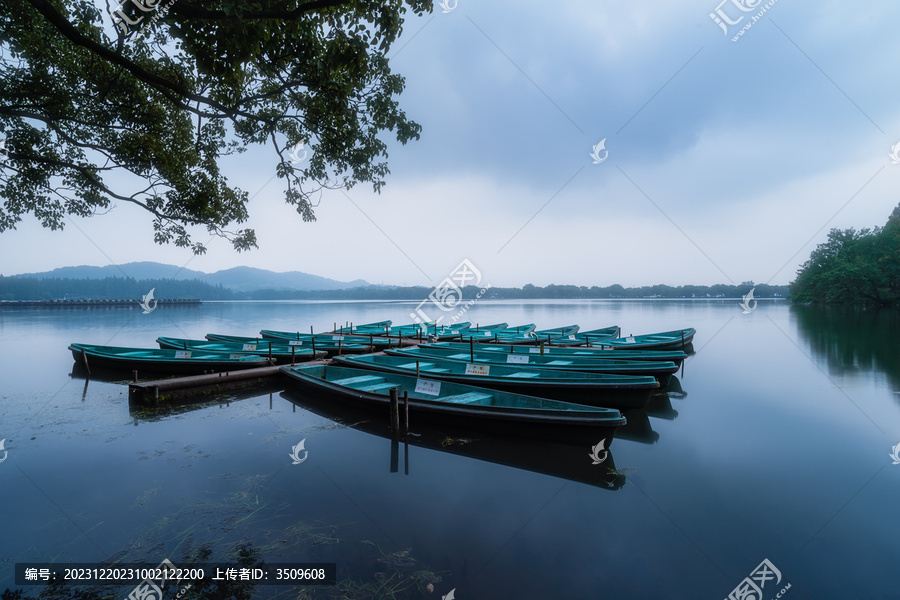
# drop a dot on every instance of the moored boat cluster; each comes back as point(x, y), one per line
point(511, 379)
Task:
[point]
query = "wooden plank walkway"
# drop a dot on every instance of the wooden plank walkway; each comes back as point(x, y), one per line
point(164, 391)
point(175, 389)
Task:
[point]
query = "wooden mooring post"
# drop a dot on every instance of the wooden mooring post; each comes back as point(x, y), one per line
point(406, 413)
point(395, 410)
point(395, 455)
point(86, 365)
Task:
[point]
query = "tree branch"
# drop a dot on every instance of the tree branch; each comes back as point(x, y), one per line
point(160, 83)
point(194, 12)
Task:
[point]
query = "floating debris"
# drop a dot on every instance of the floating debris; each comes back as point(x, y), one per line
point(623, 470)
point(449, 441)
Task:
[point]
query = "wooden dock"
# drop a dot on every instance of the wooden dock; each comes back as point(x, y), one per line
point(165, 391)
point(176, 389)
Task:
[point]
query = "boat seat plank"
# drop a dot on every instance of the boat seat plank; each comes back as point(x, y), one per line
point(349, 381)
point(467, 398)
point(378, 386)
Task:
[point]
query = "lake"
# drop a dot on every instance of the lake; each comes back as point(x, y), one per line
point(777, 450)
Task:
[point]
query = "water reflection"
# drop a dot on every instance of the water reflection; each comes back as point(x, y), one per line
point(144, 413)
point(852, 340)
point(638, 428)
point(674, 388)
point(79, 371)
point(660, 406)
point(566, 458)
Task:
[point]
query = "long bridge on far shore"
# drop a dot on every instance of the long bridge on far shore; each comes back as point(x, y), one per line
point(94, 303)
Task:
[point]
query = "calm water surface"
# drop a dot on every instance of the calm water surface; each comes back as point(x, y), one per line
point(778, 449)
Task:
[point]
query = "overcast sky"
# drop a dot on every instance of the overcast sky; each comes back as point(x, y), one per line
point(727, 161)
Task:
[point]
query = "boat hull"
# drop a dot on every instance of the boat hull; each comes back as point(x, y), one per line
point(675, 356)
point(165, 362)
point(668, 340)
point(330, 347)
point(278, 354)
point(569, 386)
point(661, 370)
point(529, 418)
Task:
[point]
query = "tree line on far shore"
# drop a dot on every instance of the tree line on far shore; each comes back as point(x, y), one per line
point(112, 288)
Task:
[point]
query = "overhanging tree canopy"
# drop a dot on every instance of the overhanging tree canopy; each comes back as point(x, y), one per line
point(140, 106)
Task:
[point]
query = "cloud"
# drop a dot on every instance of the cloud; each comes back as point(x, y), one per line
point(749, 148)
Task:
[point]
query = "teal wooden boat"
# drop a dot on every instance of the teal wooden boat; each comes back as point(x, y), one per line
point(451, 332)
point(365, 329)
point(585, 338)
point(327, 343)
point(277, 353)
point(514, 330)
point(661, 370)
point(678, 339)
point(523, 334)
point(375, 341)
point(479, 328)
point(170, 362)
point(394, 331)
point(621, 392)
point(453, 403)
point(675, 356)
point(557, 332)
point(448, 331)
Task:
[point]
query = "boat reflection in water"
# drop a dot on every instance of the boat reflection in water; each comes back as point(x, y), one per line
point(567, 457)
point(660, 406)
point(674, 389)
point(638, 428)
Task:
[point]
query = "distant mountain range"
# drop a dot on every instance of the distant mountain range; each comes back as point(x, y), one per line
point(241, 279)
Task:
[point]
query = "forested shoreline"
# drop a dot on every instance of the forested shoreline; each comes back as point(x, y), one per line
point(853, 267)
point(27, 288)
